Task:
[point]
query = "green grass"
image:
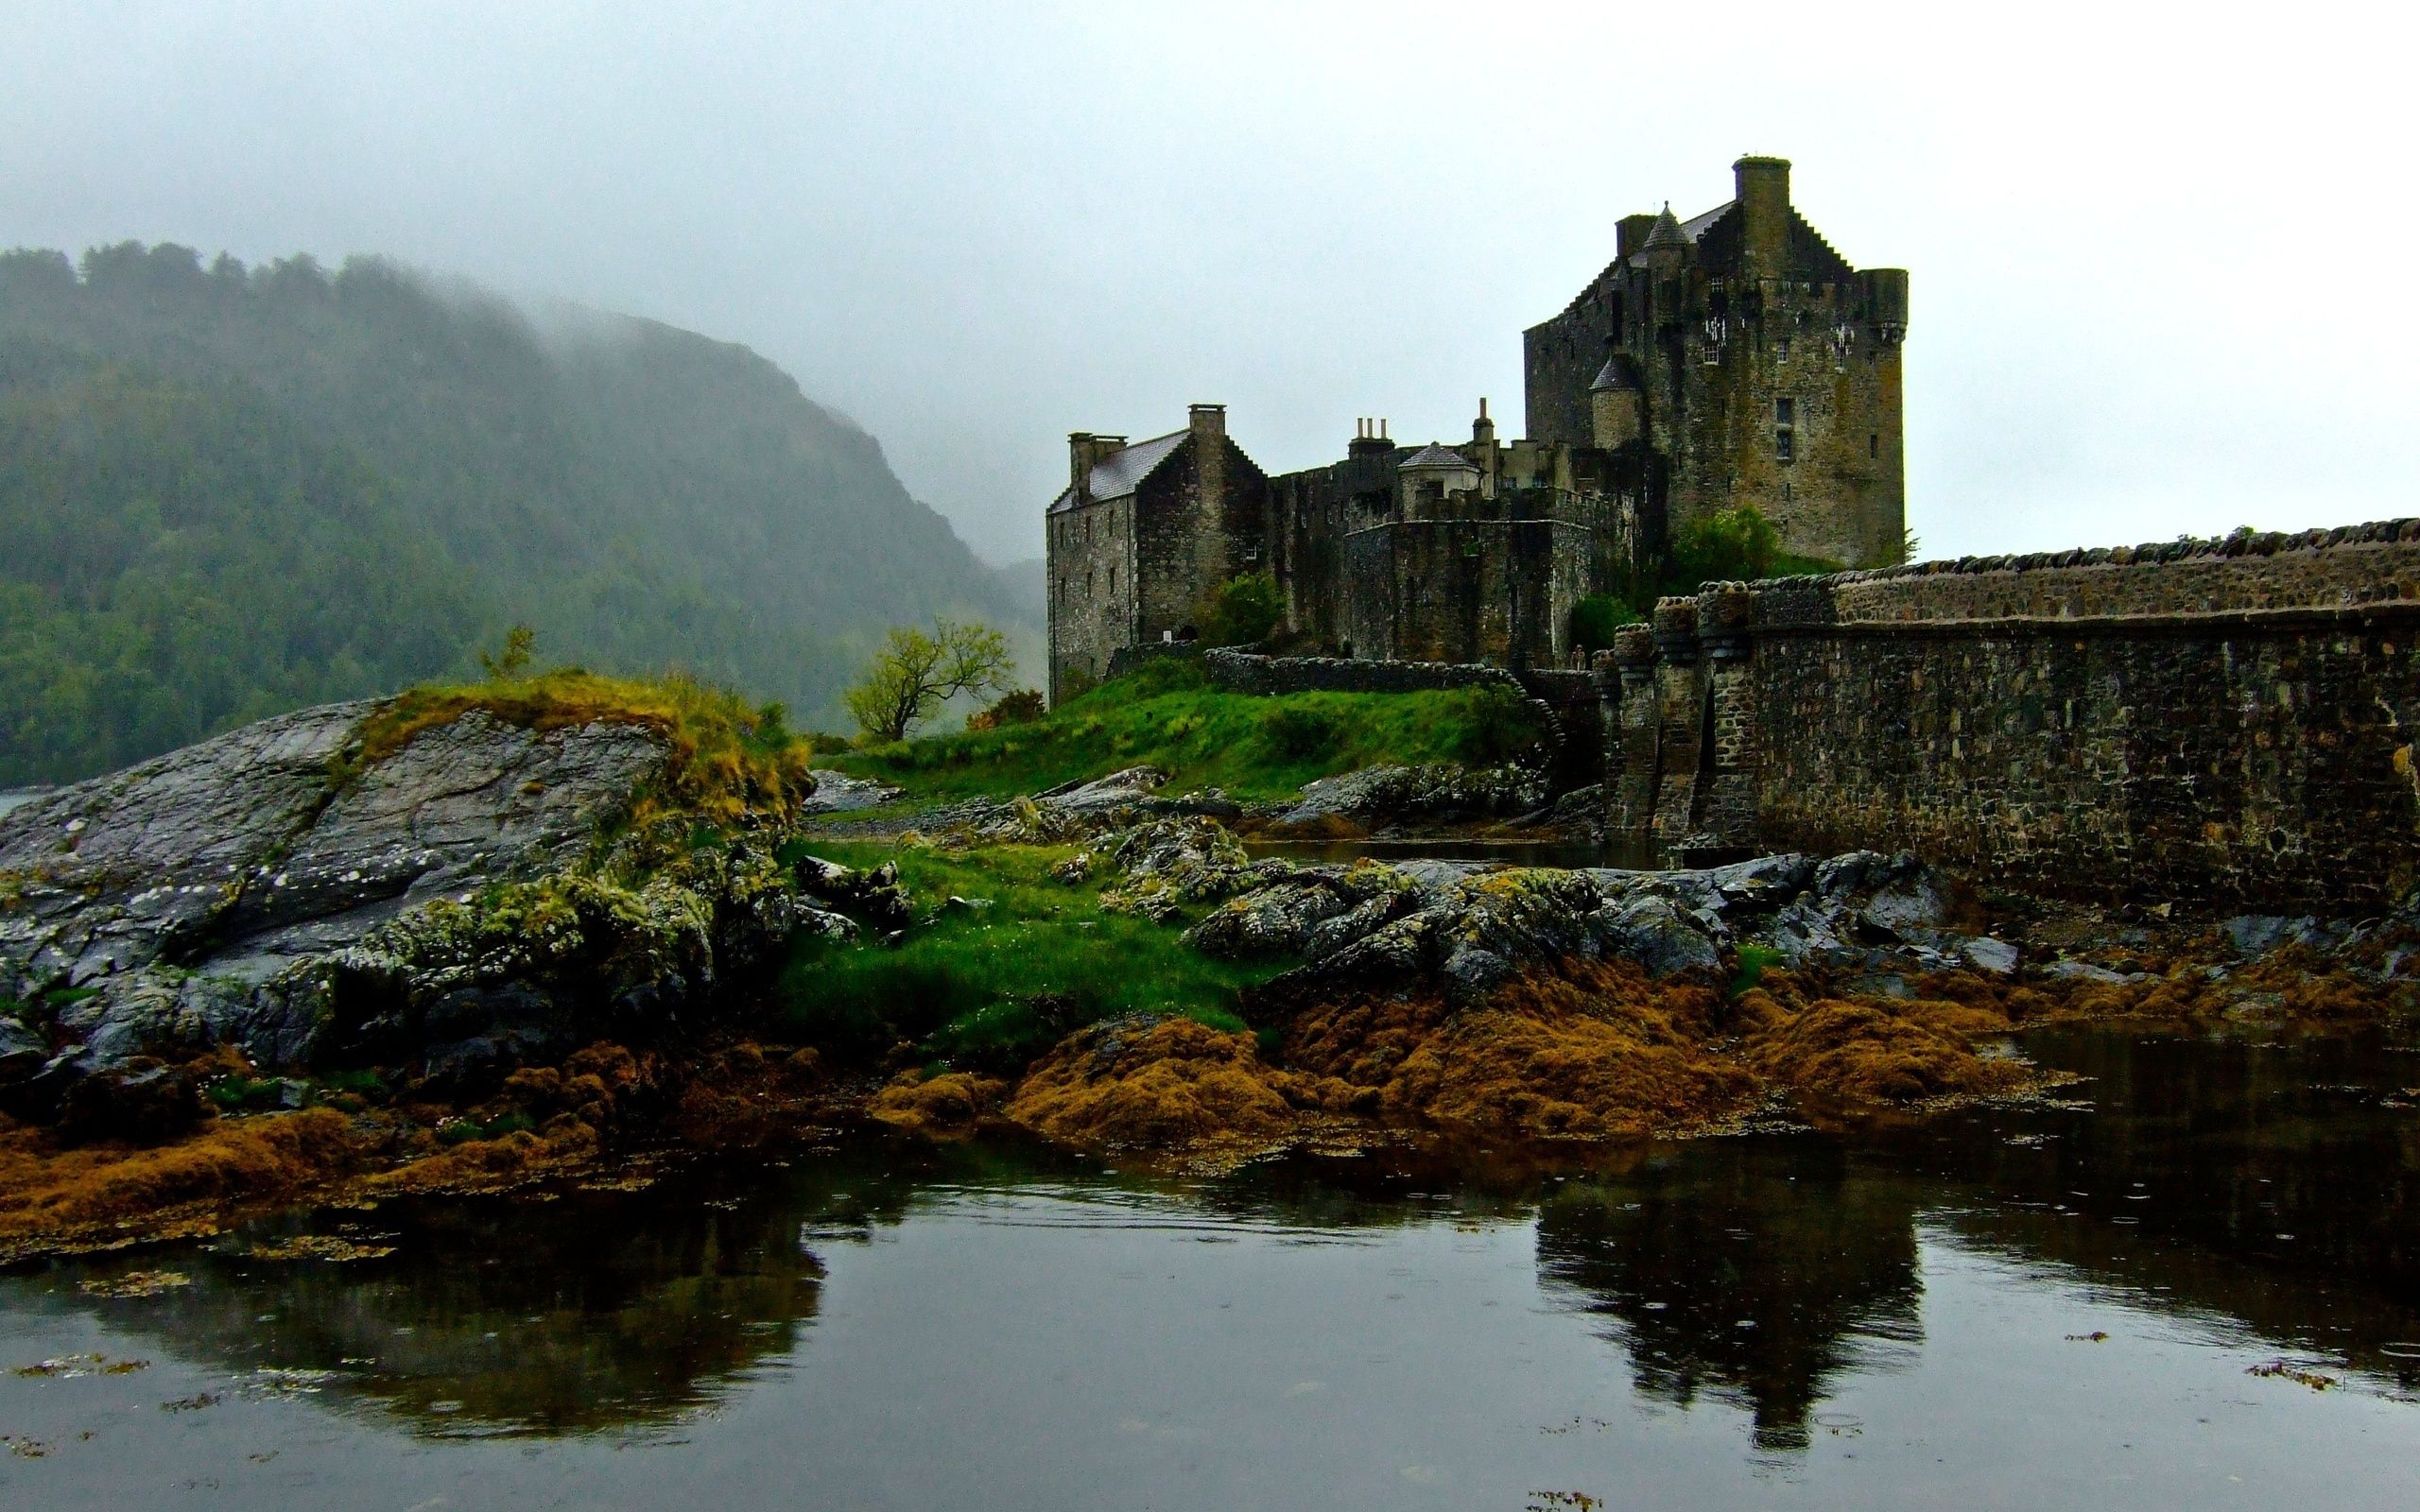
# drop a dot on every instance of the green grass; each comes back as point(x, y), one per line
point(1754, 961)
point(1167, 714)
point(728, 757)
point(994, 987)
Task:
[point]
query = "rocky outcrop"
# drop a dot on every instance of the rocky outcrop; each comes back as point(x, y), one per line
point(453, 902)
point(1381, 798)
point(1471, 926)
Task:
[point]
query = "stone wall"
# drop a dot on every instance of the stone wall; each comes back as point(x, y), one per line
point(1266, 676)
point(1093, 602)
point(2226, 722)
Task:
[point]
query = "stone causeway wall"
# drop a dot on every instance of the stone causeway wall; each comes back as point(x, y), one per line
point(2219, 722)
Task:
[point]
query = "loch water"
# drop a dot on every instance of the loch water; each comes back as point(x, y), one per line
point(2191, 1278)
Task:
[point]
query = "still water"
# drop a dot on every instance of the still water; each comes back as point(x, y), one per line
point(2051, 1306)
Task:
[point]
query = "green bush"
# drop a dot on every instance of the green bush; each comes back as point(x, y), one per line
point(1596, 618)
point(1497, 725)
point(1736, 545)
point(1298, 733)
point(1020, 708)
point(1241, 610)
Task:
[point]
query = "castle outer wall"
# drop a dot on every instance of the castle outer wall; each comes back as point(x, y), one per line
point(2231, 722)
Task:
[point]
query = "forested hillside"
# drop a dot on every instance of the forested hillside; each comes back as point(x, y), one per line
point(228, 491)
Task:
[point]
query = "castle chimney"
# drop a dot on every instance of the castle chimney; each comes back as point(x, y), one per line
point(1079, 464)
point(1207, 420)
point(1630, 234)
point(1483, 429)
point(1763, 192)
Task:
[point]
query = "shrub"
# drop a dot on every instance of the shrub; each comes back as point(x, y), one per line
point(1241, 610)
point(1734, 546)
point(1020, 708)
point(1596, 618)
point(1497, 725)
point(1297, 733)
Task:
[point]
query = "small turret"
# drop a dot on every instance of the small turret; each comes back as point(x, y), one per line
point(1616, 403)
point(1667, 243)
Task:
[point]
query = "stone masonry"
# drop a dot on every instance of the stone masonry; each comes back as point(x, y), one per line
point(2225, 721)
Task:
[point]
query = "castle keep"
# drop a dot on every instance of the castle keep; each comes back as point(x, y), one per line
point(1727, 360)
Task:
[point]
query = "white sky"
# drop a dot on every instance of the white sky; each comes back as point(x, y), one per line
point(2156, 255)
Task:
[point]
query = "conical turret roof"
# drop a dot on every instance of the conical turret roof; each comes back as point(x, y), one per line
point(1667, 232)
point(1616, 373)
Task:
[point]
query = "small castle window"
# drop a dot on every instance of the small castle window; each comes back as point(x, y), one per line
point(1874, 446)
point(1781, 350)
point(1785, 412)
point(1784, 445)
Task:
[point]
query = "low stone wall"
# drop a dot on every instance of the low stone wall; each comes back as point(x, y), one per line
point(2222, 722)
point(1245, 672)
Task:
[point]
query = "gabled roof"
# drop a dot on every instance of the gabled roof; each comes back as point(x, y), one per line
point(1695, 230)
point(1123, 471)
point(1437, 455)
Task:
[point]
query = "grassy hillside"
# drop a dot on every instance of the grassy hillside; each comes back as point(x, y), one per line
point(227, 491)
point(1167, 714)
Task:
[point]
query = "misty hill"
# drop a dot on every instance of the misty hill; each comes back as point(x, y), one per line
point(226, 492)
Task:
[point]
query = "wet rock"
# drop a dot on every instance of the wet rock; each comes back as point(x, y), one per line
point(1656, 934)
point(1119, 789)
point(269, 891)
point(1378, 797)
point(874, 896)
point(140, 1103)
point(839, 793)
point(1996, 956)
point(2253, 936)
point(23, 1051)
point(1167, 863)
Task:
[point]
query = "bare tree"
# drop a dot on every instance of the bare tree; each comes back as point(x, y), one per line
point(914, 673)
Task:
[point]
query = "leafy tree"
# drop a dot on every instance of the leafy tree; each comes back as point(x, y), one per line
point(914, 673)
point(1241, 611)
point(509, 664)
point(1596, 618)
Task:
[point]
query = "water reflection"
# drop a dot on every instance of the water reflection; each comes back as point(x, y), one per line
point(596, 1308)
point(1754, 1272)
point(2272, 1191)
point(2273, 1181)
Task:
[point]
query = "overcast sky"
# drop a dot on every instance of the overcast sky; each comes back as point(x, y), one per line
point(2157, 258)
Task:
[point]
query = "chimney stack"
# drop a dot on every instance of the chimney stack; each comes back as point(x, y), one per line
point(1207, 420)
point(1763, 192)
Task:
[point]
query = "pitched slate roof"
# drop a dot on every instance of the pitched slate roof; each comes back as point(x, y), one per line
point(1695, 230)
point(1434, 455)
point(1123, 471)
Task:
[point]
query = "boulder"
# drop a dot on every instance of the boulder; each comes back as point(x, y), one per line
point(270, 890)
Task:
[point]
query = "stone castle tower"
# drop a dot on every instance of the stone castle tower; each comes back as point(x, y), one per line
point(1748, 363)
point(1732, 359)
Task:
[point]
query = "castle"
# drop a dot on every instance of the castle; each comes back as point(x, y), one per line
point(1727, 360)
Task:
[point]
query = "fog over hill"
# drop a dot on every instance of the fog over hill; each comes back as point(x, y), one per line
point(228, 491)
